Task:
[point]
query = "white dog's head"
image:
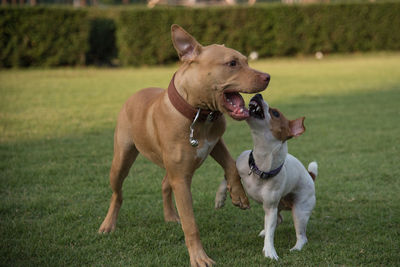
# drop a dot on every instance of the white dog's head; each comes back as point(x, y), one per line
point(271, 122)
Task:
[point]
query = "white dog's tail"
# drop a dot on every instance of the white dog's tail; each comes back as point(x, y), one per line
point(313, 169)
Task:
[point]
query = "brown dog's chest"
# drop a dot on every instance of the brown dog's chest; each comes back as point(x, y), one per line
point(208, 134)
point(161, 133)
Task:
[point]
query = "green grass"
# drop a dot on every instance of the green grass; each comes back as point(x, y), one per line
point(56, 135)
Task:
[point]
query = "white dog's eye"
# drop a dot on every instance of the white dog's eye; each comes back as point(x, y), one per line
point(275, 113)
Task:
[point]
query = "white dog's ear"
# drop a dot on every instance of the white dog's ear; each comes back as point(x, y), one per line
point(297, 127)
point(185, 44)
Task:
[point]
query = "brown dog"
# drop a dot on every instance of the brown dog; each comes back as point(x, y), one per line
point(157, 122)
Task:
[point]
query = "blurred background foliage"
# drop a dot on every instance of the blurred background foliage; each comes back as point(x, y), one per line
point(133, 35)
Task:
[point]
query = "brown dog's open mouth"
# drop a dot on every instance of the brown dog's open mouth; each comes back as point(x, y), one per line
point(233, 102)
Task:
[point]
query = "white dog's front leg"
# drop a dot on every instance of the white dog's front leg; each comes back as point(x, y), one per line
point(271, 215)
point(220, 197)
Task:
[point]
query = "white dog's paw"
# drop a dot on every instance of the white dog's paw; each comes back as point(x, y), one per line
point(299, 245)
point(220, 197)
point(279, 220)
point(270, 253)
point(219, 203)
point(295, 249)
point(262, 233)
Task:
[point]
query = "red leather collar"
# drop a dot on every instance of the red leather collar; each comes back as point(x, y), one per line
point(185, 108)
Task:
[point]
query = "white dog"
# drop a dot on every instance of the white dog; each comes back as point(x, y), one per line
point(273, 177)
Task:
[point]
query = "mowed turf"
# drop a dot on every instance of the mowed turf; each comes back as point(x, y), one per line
point(56, 138)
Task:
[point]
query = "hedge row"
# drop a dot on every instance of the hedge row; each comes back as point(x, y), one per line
point(140, 36)
point(278, 30)
point(43, 37)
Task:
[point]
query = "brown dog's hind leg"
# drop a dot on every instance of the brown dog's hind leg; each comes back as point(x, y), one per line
point(125, 154)
point(170, 214)
point(221, 155)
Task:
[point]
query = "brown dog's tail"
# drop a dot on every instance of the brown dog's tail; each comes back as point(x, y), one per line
point(313, 170)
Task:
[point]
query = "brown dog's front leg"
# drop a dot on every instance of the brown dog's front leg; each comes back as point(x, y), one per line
point(169, 210)
point(221, 155)
point(184, 204)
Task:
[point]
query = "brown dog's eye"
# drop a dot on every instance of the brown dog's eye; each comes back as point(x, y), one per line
point(232, 63)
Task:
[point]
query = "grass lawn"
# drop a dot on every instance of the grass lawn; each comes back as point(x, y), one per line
point(56, 136)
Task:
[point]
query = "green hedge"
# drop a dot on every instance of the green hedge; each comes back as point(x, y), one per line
point(102, 43)
point(277, 30)
point(141, 36)
point(43, 37)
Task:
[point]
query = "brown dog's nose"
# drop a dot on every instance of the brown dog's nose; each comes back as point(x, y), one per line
point(261, 80)
point(266, 77)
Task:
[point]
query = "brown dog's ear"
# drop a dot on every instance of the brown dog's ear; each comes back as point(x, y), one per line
point(186, 46)
point(297, 127)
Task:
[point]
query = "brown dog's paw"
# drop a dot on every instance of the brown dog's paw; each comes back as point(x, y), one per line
point(241, 202)
point(172, 218)
point(108, 225)
point(239, 197)
point(201, 260)
point(106, 228)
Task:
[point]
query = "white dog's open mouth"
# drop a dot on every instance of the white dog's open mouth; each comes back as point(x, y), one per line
point(256, 109)
point(233, 102)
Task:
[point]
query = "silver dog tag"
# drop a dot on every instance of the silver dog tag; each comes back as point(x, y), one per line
point(192, 140)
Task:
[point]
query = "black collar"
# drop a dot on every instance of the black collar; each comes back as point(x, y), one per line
point(263, 175)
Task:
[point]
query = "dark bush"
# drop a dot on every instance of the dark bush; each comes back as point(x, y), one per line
point(141, 36)
point(101, 42)
point(42, 37)
point(277, 30)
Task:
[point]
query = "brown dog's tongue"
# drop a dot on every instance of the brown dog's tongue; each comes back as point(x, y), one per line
point(236, 99)
point(235, 105)
point(241, 111)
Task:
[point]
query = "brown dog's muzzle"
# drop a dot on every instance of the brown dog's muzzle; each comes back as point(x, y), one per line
point(262, 81)
point(233, 102)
